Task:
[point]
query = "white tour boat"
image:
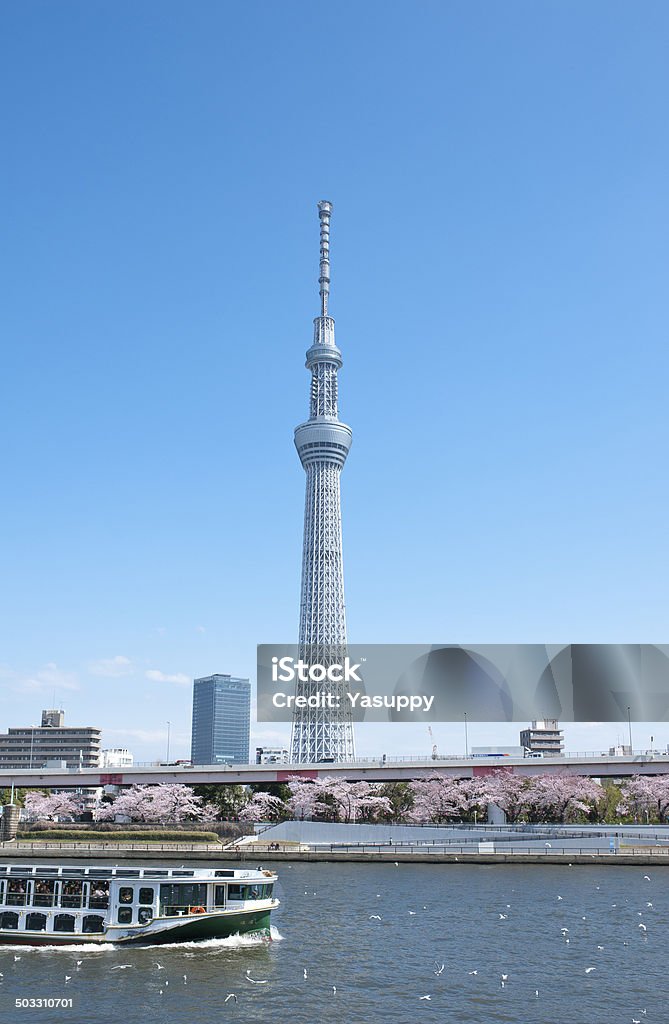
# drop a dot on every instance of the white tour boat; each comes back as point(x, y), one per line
point(46, 904)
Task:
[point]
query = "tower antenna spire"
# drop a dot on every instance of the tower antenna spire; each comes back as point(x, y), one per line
point(324, 213)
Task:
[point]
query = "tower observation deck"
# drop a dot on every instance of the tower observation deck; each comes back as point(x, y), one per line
point(323, 443)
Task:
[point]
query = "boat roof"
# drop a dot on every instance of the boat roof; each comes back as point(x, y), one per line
point(101, 871)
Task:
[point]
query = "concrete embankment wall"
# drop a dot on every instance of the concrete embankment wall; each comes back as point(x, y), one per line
point(248, 857)
point(567, 836)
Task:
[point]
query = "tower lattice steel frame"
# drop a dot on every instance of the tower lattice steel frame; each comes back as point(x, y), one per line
point(323, 443)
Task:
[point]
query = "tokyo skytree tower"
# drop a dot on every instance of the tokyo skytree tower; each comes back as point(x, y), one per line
point(323, 443)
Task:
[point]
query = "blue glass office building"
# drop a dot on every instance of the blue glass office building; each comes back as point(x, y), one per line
point(221, 720)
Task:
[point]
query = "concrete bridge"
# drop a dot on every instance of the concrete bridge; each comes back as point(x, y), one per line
point(370, 770)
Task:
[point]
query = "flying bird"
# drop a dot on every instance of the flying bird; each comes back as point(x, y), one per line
point(374, 917)
point(253, 980)
point(589, 970)
point(121, 967)
point(230, 995)
point(424, 997)
point(439, 968)
point(305, 972)
point(646, 878)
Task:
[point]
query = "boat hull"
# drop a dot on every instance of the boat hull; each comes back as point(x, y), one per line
point(205, 926)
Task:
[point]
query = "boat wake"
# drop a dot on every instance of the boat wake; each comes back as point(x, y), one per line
point(231, 942)
point(75, 947)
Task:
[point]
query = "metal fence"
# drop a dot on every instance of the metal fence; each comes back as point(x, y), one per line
point(436, 849)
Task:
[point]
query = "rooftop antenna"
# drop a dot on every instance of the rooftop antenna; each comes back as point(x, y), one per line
point(324, 211)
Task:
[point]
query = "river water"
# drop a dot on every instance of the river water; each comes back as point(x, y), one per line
point(439, 923)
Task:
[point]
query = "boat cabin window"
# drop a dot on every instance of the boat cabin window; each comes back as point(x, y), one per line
point(93, 923)
point(63, 923)
point(219, 895)
point(71, 893)
point(175, 899)
point(125, 894)
point(244, 892)
point(16, 892)
point(146, 895)
point(125, 915)
point(99, 896)
point(44, 893)
point(36, 922)
point(9, 919)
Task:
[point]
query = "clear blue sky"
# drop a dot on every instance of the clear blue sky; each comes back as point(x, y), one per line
point(499, 245)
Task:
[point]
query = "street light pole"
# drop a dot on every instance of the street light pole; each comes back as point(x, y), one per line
point(466, 738)
point(629, 725)
point(168, 743)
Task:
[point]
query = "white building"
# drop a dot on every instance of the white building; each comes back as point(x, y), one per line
point(271, 755)
point(116, 757)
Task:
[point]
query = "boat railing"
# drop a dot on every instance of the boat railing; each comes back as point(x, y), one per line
point(179, 909)
point(98, 902)
point(16, 899)
point(75, 902)
point(41, 899)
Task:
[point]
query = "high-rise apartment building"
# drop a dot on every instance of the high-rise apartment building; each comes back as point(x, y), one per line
point(35, 745)
point(221, 720)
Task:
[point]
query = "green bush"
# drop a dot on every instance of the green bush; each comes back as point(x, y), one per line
point(64, 835)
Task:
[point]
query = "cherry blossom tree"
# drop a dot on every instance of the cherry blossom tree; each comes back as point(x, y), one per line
point(511, 793)
point(563, 796)
point(337, 799)
point(307, 798)
point(645, 795)
point(355, 800)
point(263, 807)
point(152, 804)
point(438, 798)
point(53, 807)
